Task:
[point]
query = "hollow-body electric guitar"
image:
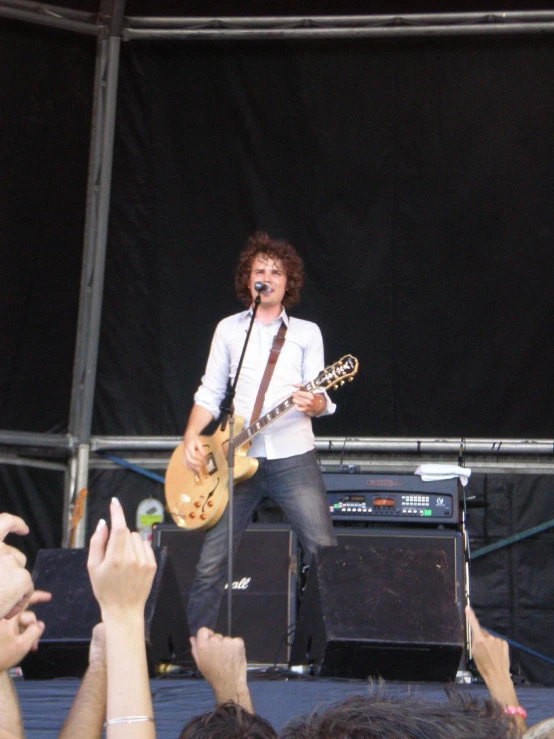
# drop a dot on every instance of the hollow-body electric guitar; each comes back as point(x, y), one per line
point(197, 500)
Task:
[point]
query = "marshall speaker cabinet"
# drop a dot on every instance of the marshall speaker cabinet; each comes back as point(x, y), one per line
point(385, 602)
point(264, 584)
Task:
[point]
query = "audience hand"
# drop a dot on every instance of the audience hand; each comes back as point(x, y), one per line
point(20, 635)
point(121, 567)
point(491, 654)
point(492, 658)
point(222, 661)
point(16, 585)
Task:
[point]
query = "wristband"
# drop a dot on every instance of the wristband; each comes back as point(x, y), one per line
point(516, 711)
point(127, 720)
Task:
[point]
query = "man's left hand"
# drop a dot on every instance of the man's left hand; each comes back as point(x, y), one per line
point(313, 404)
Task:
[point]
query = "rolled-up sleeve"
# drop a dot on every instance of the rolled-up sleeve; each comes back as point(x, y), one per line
point(314, 362)
point(214, 382)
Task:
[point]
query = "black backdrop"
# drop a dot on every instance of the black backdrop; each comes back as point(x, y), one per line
point(416, 180)
point(415, 177)
point(46, 80)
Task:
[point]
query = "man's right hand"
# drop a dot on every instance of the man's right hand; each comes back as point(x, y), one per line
point(193, 452)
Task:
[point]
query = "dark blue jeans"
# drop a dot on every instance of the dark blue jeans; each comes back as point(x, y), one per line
point(296, 485)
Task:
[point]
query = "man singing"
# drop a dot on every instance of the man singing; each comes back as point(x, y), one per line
point(288, 470)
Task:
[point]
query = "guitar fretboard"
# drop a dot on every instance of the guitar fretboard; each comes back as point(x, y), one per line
point(248, 433)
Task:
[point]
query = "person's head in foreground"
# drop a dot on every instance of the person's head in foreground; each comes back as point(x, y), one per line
point(378, 716)
point(228, 721)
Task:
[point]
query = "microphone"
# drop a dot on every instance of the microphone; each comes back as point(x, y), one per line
point(262, 287)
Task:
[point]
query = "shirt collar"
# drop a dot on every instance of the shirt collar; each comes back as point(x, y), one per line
point(282, 317)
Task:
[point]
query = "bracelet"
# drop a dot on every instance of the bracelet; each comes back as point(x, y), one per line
point(516, 711)
point(127, 720)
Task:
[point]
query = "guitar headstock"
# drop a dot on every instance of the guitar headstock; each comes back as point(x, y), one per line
point(337, 373)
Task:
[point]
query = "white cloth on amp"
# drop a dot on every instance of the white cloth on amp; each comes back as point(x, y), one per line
point(435, 471)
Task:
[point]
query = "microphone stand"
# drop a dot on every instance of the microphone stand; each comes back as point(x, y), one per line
point(227, 411)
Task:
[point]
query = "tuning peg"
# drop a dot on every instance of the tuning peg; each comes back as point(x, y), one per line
point(350, 379)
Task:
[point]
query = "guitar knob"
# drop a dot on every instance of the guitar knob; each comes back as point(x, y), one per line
point(192, 514)
point(203, 516)
point(210, 503)
point(197, 504)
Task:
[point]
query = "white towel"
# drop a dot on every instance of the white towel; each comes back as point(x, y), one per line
point(432, 471)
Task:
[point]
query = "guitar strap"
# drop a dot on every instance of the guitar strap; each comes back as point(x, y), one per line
point(278, 342)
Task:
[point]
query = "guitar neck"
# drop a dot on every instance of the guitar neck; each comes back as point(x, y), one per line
point(251, 431)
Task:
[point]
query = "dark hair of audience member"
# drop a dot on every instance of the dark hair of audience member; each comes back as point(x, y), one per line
point(228, 721)
point(381, 717)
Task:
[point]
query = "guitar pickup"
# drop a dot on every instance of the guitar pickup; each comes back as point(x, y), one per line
point(210, 464)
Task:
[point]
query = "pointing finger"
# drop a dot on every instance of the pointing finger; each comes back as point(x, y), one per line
point(10, 524)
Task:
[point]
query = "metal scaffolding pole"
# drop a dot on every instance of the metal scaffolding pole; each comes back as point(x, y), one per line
point(94, 255)
point(50, 15)
point(337, 27)
point(337, 21)
point(360, 444)
point(369, 454)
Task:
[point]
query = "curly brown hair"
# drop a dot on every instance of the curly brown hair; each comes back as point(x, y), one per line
point(276, 249)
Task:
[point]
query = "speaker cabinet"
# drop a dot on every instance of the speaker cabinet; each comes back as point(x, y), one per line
point(73, 612)
point(264, 584)
point(385, 603)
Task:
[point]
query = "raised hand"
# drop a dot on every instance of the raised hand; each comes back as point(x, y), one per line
point(121, 566)
point(20, 635)
point(491, 654)
point(222, 661)
point(492, 658)
point(16, 585)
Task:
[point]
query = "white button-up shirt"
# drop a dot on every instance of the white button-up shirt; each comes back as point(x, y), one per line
point(300, 361)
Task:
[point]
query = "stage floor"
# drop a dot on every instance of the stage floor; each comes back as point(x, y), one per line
point(45, 703)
